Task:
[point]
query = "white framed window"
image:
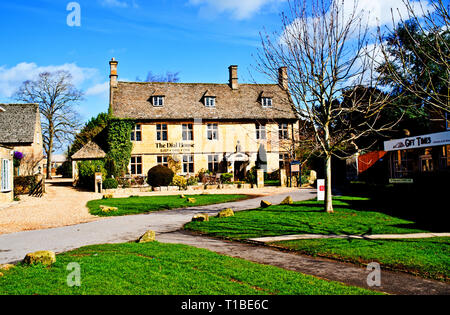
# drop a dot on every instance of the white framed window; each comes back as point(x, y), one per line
point(210, 101)
point(260, 132)
point(212, 132)
point(188, 132)
point(266, 102)
point(136, 133)
point(136, 165)
point(188, 164)
point(6, 176)
point(161, 132)
point(163, 160)
point(158, 101)
point(213, 163)
point(283, 131)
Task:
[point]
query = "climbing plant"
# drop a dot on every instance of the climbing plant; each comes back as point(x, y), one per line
point(119, 146)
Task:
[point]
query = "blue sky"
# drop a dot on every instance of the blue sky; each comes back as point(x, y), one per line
point(198, 38)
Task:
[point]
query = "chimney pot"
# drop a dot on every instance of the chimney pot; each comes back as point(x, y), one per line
point(113, 72)
point(283, 79)
point(234, 83)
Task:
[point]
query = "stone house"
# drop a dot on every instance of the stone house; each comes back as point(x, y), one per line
point(20, 128)
point(217, 127)
point(6, 174)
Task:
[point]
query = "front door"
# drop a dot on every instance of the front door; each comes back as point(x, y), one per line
point(239, 170)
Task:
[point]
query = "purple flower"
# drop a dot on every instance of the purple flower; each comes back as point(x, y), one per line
point(18, 155)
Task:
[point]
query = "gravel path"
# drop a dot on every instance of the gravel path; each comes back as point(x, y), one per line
point(61, 205)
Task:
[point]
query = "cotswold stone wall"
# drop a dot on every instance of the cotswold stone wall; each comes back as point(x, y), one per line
point(229, 133)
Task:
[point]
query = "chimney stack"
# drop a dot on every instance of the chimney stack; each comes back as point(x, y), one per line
point(234, 84)
point(113, 73)
point(283, 80)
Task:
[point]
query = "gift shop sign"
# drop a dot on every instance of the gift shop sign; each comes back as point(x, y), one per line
point(430, 140)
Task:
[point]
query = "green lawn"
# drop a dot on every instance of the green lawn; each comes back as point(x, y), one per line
point(352, 216)
point(425, 257)
point(163, 269)
point(138, 205)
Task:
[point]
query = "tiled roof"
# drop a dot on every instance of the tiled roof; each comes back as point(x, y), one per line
point(90, 151)
point(133, 100)
point(17, 123)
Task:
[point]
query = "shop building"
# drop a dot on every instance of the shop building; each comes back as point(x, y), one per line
point(418, 154)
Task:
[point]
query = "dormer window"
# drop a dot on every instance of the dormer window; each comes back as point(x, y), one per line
point(266, 102)
point(210, 101)
point(158, 101)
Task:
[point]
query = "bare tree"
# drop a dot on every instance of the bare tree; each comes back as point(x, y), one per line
point(56, 96)
point(416, 53)
point(325, 46)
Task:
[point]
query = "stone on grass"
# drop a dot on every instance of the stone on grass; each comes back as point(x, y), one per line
point(201, 217)
point(287, 201)
point(108, 196)
point(191, 200)
point(6, 267)
point(1, 274)
point(265, 204)
point(44, 257)
point(226, 213)
point(182, 196)
point(149, 236)
point(107, 209)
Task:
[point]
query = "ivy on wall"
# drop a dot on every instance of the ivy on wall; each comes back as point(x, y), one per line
point(119, 146)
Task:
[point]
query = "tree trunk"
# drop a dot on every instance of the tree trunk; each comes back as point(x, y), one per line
point(49, 158)
point(328, 194)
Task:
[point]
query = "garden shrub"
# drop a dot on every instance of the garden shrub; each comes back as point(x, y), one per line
point(160, 176)
point(226, 178)
point(192, 181)
point(86, 172)
point(24, 184)
point(251, 175)
point(124, 182)
point(110, 183)
point(179, 181)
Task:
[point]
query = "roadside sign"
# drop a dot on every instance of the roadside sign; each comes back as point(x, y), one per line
point(320, 189)
point(401, 180)
point(295, 168)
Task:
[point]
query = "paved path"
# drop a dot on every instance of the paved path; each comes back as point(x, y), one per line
point(391, 282)
point(271, 239)
point(13, 247)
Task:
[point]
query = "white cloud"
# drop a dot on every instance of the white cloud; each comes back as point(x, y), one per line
point(119, 3)
point(240, 9)
point(380, 12)
point(101, 89)
point(12, 78)
point(373, 13)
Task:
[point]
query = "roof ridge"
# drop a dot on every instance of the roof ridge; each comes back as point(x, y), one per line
point(197, 83)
